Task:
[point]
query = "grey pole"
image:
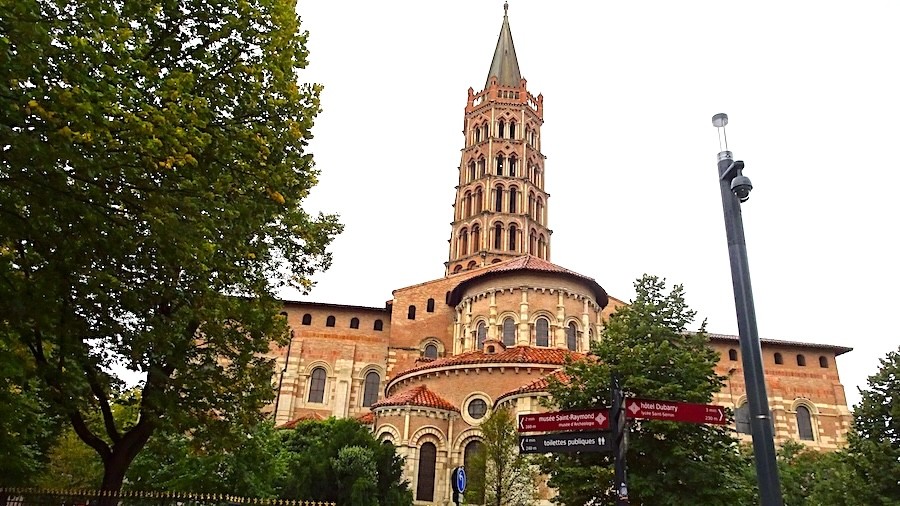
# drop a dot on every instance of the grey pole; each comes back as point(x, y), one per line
point(735, 188)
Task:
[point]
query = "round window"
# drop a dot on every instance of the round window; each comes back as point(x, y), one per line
point(477, 409)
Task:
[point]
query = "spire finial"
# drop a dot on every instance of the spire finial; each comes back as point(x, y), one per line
point(505, 8)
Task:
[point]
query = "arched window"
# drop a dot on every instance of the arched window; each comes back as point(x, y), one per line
point(307, 319)
point(732, 355)
point(457, 269)
point(471, 171)
point(513, 239)
point(801, 360)
point(317, 385)
point(468, 204)
point(512, 166)
point(471, 265)
point(499, 164)
point(571, 336)
point(476, 239)
point(473, 448)
point(540, 211)
point(498, 198)
point(513, 196)
point(512, 129)
point(379, 325)
point(329, 322)
point(804, 424)
point(478, 197)
point(742, 418)
point(823, 362)
point(528, 134)
point(531, 204)
point(509, 332)
point(429, 306)
point(354, 323)
point(532, 242)
point(370, 390)
point(498, 236)
point(542, 246)
point(542, 332)
point(480, 335)
point(481, 167)
point(478, 134)
point(463, 242)
point(425, 477)
point(411, 313)
point(501, 129)
point(431, 351)
point(779, 359)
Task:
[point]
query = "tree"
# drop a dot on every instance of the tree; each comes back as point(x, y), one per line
point(873, 450)
point(341, 452)
point(647, 344)
point(498, 475)
point(175, 462)
point(151, 179)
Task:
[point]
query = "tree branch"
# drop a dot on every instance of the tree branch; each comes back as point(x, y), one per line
point(108, 421)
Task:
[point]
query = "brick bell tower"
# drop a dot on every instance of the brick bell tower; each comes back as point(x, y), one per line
point(501, 206)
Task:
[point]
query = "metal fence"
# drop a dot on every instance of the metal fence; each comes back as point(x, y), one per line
point(45, 497)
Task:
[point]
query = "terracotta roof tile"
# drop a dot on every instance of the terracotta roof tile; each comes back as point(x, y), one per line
point(366, 418)
point(528, 263)
point(513, 355)
point(417, 396)
point(538, 385)
point(302, 418)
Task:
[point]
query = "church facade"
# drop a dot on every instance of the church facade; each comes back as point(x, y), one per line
point(428, 367)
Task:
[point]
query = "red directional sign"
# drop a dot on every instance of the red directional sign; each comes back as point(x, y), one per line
point(670, 411)
point(589, 419)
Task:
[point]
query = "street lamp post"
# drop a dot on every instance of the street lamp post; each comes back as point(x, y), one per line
point(735, 189)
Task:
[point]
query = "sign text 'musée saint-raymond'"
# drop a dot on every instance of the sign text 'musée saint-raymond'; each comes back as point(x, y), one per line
point(671, 411)
point(588, 419)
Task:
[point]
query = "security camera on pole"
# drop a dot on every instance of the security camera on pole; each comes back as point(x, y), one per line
point(735, 189)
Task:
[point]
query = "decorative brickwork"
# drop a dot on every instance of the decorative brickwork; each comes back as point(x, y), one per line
point(502, 320)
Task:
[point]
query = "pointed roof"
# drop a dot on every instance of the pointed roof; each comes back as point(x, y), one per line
point(505, 65)
point(418, 396)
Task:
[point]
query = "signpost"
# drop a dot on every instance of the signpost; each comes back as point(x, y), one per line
point(458, 482)
point(558, 421)
point(604, 430)
point(671, 411)
point(566, 442)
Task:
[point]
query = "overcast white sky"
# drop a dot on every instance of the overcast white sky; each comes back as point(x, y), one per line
point(811, 89)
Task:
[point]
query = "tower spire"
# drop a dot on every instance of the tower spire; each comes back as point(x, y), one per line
point(505, 66)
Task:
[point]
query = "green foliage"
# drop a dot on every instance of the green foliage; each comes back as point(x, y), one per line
point(153, 171)
point(497, 474)
point(319, 455)
point(874, 442)
point(71, 465)
point(26, 431)
point(177, 462)
point(648, 346)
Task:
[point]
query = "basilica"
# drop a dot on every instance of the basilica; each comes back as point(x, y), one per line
point(424, 370)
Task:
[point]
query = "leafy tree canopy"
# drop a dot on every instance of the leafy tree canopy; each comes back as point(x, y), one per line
point(497, 474)
point(873, 452)
point(647, 344)
point(342, 452)
point(152, 173)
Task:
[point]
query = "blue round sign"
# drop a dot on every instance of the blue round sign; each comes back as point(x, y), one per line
point(459, 479)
